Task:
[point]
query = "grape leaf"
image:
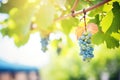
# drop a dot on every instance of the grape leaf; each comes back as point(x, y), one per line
point(19, 25)
point(115, 26)
point(107, 21)
point(67, 24)
point(116, 1)
point(111, 42)
point(110, 23)
point(100, 37)
point(107, 7)
point(116, 35)
point(45, 16)
point(5, 31)
point(19, 39)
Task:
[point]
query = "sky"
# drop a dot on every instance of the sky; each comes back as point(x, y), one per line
point(29, 54)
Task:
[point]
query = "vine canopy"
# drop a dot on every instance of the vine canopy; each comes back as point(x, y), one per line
point(45, 16)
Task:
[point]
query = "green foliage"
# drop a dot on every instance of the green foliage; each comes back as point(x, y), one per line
point(111, 42)
point(71, 67)
point(100, 37)
point(12, 4)
point(68, 65)
point(68, 24)
point(43, 13)
point(110, 22)
point(107, 21)
point(115, 26)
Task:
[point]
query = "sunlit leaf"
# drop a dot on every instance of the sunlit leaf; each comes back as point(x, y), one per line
point(92, 27)
point(107, 21)
point(116, 35)
point(110, 22)
point(115, 26)
point(20, 39)
point(67, 24)
point(45, 16)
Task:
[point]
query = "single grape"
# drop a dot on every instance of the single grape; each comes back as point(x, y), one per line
point(82, 52)
point(89, 35)
point(82, 37)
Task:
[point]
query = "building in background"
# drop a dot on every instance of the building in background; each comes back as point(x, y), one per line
point(10, 71)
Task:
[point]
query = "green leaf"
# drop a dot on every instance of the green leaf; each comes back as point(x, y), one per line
point(115, 1)
point(116, 35)
point(107, 21)
point(110, 23)
point(98, 38)
point(45, 16)
point(67, 24)
point(5, 31)
point(20, 39)
point(111, 42)
point(19, 25)
point(107, 7)
point(115, 26)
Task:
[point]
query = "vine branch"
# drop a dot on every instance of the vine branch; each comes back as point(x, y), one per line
point(81, 11)
point(74, 5)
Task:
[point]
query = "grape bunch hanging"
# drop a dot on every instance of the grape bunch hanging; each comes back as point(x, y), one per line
point(84, 40)
point(84, 35)
point(86, 49)
point(44, 44)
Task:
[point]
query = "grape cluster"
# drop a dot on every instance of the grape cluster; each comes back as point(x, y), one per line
point(86, 49)
point(44, 43)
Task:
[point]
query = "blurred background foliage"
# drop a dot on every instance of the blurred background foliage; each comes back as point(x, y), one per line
point(29, 16)
point(104, 66)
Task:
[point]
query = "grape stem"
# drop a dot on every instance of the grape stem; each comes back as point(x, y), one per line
point(84, 19)
point(81, 11)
